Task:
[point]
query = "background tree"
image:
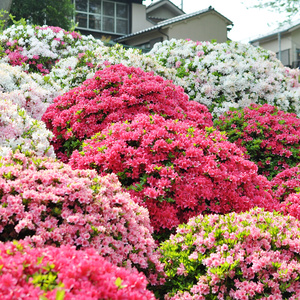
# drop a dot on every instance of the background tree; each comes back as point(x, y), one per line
point(51, 12)
point(288, 7)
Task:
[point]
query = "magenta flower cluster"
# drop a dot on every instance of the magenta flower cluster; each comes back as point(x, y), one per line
point(116, 93)
point(252, 255)
point(65, 273)
point(286, 188)
point(45, 202)
point(269, 137)
point(175, 169)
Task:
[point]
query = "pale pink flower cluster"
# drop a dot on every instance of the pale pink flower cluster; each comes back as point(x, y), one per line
point(45, 202)
point(252, 255)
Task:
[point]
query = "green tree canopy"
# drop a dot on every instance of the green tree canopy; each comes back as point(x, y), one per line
point(51, 12)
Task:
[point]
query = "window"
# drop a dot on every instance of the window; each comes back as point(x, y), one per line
point(102, 15)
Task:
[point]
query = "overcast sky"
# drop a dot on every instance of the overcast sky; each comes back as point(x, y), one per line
point(248, 23)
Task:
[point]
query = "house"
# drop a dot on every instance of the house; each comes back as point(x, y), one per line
point(285, 42)
point(203, 25)
point(131, 23)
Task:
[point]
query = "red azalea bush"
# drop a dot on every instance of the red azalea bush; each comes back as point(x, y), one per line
point(286, 187)
point(45, 202)
point(114, 94)
point(268, 136)
point(175, 169)
point(65, 273)
point(252, 255)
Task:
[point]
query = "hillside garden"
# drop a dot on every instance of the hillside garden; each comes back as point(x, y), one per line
point(168, 175)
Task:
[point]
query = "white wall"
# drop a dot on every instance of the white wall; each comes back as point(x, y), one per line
point(139, 21)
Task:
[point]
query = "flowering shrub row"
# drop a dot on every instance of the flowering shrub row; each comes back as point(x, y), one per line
point(252, 255)
point(45, 202)
point(116, 93)
point(65, 273)
point(18, 131)
point(268, 136)
point(175, 169)
point(37, 49)
point(230, 74)
point(33, 92)
point(73, 71)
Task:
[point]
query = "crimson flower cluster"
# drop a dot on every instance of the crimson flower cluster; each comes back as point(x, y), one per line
point(65, 273)
point(175, 169)
point(269, 137)
point(45, 202)
point(114, 94)
point(286, 187)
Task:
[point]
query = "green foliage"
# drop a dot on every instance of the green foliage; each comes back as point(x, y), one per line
point(51, 12)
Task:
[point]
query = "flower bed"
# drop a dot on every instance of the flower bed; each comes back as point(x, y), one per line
point(230, 74)
point(253, 255)
point(176, 170)
point(18, 131)
point(45, 202)
point(65, 273)
point(37, 48)
point(116, 93)
point(268, 136)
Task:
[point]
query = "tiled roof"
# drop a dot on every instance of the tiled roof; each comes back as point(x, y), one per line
point(167, 22)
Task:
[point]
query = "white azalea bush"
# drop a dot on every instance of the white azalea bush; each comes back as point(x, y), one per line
point(230, 74)
point(74, 70)
point(33, 92)
point(18, 131)
point(37, 48)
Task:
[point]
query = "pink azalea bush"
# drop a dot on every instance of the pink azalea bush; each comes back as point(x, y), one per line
point(175, 169)
point(286, 187)
point(37, 48)
point(251, 255)
point(231, 74)
point(269, 137)
point(65, 273)
point(116, 93)
point(45, 202)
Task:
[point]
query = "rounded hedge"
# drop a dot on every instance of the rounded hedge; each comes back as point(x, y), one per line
point(175, 169)
point(252, 255)
point(114, 94)
point(268, 136)
point(45, 202)
point(65, 273)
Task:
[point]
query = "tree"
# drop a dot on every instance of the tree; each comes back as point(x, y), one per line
point(289, 7)
point(51, 12)
point(5, 6)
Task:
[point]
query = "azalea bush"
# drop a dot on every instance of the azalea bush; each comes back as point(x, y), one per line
point(251, 255)
point(268, 136)
point(74, 70)
point(33, 92)
point(232, 74)
point(18, 131)
point(116, 93)
point(45, 202)
point(175, 169)
point(286, 187)
point(65, 273)
point(37, 48)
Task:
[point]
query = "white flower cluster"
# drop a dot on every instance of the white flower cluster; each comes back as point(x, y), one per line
point(72, 71)
point(33, 92)
point(230, 74)
point(44, 45)
point(18, 131)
